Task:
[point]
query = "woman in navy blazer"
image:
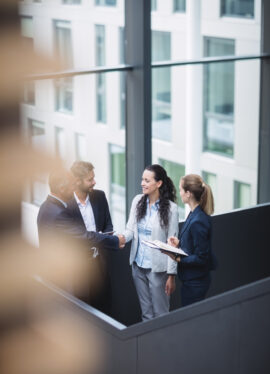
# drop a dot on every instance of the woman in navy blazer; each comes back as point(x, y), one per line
point(195, 240)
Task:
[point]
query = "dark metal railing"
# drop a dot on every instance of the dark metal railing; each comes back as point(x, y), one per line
point(124, 67)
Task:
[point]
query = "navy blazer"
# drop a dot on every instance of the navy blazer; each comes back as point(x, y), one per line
point(53, 217)
point(100, 208)
point(195, 239)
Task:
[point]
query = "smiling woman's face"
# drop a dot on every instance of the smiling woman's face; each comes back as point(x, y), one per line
point(149, 184)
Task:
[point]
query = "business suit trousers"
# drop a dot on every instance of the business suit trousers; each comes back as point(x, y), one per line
point(194, 290)
point(150, 288)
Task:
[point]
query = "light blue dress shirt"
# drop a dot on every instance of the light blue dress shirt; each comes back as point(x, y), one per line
point(144, 253)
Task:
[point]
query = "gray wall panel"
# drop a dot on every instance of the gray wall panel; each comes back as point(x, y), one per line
point(198, 345)
point(254, 343)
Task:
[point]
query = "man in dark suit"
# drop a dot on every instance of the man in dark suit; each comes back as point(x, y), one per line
point(55, 220)
point(90, 209)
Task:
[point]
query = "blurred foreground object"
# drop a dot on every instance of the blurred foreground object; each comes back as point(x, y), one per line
point(38, 335)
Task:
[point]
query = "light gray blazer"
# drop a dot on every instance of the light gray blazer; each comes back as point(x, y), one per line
point(160, 261)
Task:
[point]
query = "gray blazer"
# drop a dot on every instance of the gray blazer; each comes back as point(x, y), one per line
point(160, 261)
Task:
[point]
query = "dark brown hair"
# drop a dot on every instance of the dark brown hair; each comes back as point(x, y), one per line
point(167, 193)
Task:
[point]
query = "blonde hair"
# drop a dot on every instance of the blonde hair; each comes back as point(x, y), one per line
point(201, 191)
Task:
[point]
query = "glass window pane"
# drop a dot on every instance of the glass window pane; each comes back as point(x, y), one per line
point(237, 8)
point(161, 86)
point(106, 2)
point(118, 186)
point(73, 109)
point(211, 180)
point(28, 95)
point(37, 134)
point(80, 147)
point(242, 195)
point(37, 138)
point(63, 49)
point(64, 95)
point(100, 78)
point(153, 5)
point(179, 5)
point(175, 171)
point(71, 1)
point(60, 145)
point(219, 98)
point(122, 86)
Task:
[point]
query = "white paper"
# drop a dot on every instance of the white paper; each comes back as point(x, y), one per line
point(157, 244)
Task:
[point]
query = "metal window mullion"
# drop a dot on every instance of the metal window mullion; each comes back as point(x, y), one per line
point(138, 88)
point(263, 192)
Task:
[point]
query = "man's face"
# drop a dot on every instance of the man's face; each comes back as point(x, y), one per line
point(87, 183)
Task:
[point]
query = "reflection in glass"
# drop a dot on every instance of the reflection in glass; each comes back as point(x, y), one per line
point(175, 171)
point(242, 195)
point(118, 186)
point(237, 8)
point(161, 87)
point(219, 98)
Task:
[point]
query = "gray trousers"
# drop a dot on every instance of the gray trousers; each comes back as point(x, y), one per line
point(150, 288)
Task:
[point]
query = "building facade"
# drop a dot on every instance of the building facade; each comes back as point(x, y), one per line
point(205, 117)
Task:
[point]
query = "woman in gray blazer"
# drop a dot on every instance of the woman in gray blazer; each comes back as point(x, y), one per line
point(153, 215)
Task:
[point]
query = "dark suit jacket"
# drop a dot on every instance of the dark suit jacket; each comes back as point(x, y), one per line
point(53, 216)
point(100, 210)
point(195, 239)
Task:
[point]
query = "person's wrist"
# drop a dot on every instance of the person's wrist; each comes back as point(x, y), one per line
point(176, 256)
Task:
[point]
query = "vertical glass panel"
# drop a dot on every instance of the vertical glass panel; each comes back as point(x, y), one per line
point(63, 49)
point(63, 42)
point(237, 8)
point(153, 5)
point(28, 95)
point(211, 180)
point(161, 86)
point(179, 5)
point(219, 98)
point(175, 171)
point(100, 78)
point(64, 95)
point(122, 78)
point(242, 195)
point(36, 131)
point(118, 186)
point(60, 145)
point(80, 147)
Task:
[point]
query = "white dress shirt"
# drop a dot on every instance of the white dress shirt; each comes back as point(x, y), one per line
point(87, 213)
point(88, 216)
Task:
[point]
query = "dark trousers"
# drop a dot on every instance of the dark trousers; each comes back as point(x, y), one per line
point(194, 290)
point(94, 288)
